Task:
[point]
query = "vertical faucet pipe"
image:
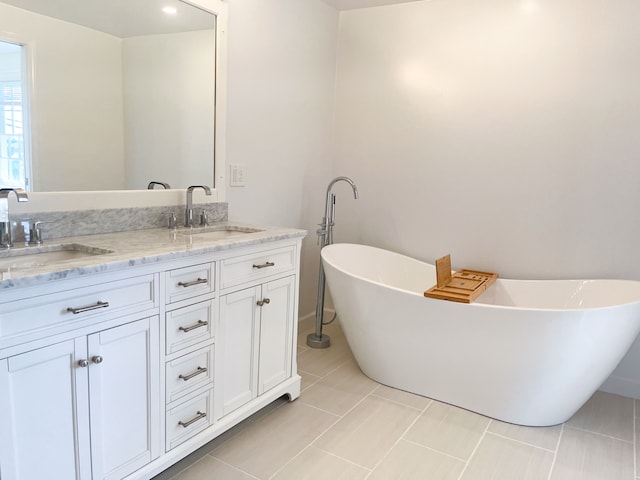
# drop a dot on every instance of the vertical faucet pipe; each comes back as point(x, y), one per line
point(325, 237)
point(188, 214)
point(5, 222)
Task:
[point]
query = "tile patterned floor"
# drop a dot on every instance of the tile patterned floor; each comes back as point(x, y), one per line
point(346, 426)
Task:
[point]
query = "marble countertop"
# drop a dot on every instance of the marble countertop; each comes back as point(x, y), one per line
point(127, 249)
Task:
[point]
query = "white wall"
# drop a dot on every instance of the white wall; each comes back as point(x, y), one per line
point(76, 102)
point(280, 106)
point(169, 95)
point(502, 132)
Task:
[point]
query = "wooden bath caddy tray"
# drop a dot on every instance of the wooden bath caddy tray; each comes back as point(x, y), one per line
point(463, 286)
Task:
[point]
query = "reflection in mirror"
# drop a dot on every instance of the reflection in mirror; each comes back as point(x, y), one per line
point(14, 163)
point(120, 94)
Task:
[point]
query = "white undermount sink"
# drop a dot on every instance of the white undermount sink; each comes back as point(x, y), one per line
point(219, 232)
point(32, 257)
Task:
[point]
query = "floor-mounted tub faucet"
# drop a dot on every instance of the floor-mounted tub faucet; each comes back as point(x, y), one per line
point(188, 214)
point(5, 224)
point(325, 237)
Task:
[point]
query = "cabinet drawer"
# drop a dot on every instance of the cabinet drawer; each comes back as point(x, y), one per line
point(189, 325)
point(188, 373)
point(245, 268)
point(95, 301)
point(189, 418)
point(188, 282)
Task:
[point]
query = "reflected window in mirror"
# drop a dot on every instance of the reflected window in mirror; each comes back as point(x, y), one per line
point(14, 158)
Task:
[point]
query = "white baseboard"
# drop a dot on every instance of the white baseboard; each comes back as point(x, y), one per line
point(626, 387)
point(308, 321)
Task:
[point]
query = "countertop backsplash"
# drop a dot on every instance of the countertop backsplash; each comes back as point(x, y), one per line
point(73, 223)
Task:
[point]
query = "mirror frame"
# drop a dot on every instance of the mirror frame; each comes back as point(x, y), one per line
point(84, 200)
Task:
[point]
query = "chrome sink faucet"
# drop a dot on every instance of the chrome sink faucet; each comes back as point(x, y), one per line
point(5, 224)
point(188, 214)
point(152, 185)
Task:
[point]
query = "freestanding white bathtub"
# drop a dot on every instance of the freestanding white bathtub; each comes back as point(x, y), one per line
point(526, 352)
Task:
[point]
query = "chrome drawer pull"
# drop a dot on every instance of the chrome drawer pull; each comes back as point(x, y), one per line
point(193, 327)
point(264, 265)
point(194, 282)
point(78, 310)
point(263, 301)
point(198, 416)
point(198, 371)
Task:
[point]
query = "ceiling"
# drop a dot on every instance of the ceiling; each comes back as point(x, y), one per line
point(122, 18)
point(351, 4)
point(126, 18)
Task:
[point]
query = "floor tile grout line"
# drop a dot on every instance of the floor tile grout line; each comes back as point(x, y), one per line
point(401, 437)
point(600, 434)
point(435, 450)
point(289, 462)
point(466, 465)
point(341, 364)
point(344, 459)
point(307, 446)
point(300, 452)
point(321, 409)
point(319, 377)
point(555, 454)
point(310, 444)
point(340, 417)
point(522, 442)
point(398, 402)
point(351, 462)
point(232, 466)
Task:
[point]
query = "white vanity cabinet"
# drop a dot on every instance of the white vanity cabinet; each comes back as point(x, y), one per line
point(255, 332)
point(255, 342)
point(119, 375)
point(80, 404)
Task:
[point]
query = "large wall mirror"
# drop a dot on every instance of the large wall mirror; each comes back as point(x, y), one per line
point(115, 94)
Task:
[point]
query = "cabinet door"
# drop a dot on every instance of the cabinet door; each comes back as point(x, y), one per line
point(276, 330)
point(124, 390)
point(237, 350)
point(43, 392)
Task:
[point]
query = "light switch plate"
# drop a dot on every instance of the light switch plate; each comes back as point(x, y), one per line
point(236, 176)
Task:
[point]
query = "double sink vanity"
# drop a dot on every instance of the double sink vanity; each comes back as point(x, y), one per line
point(121, 353)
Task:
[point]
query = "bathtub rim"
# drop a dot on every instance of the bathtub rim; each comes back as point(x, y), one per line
point(500, 279)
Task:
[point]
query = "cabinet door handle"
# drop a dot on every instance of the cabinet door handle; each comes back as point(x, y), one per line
point(78, 310)
point(194, 326)
point(198, 416)
point(264, 265)
point(192, 283)
point(83, 363)
point(263, 301)
point(97, 359)
point(199, 370)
